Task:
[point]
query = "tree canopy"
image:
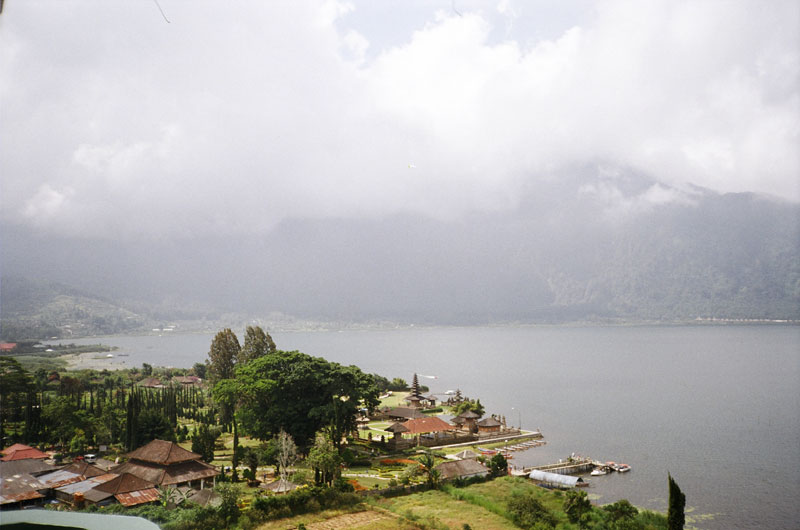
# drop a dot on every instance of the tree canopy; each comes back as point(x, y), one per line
point(301, 394)
point(257, 343)
point(222, 356)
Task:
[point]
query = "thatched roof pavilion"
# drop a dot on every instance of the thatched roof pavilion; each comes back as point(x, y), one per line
point(166, 463)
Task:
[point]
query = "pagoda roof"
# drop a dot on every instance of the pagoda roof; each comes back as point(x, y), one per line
point(165, 475)
point(396, 428)
point(124, 483)
point(163, 452)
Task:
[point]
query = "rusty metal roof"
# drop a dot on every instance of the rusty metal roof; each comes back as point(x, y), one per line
point(163, 452)
point(59, 478)
point(19, 488)
point(19, 497)
point(85, 485)
point(137, 497)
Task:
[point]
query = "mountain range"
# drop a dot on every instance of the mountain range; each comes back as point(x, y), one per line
point(607, 247)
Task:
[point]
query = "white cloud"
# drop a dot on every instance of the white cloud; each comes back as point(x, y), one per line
point(233, 118)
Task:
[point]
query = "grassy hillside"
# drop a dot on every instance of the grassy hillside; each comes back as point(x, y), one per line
point(36, 310)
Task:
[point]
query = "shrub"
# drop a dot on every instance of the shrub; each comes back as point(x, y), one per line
point(527, 511)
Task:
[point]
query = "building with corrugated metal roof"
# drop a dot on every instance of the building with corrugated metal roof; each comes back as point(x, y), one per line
point(554, 479)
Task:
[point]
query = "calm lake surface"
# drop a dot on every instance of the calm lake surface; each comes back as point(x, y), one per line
point(716, 406)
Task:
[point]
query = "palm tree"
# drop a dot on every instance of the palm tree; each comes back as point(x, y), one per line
point(428, 465)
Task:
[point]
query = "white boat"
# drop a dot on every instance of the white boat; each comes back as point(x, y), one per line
point(623, 468)
point(598, 471)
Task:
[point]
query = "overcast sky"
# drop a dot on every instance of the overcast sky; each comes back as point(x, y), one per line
point(234, 116)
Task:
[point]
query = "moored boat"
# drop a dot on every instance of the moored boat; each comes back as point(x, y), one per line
point(598, 471)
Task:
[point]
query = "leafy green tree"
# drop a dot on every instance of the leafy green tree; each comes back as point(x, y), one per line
point(252, 460)
point(229, 503)
point(301, 395)
point(147, 369)
point(222, 356)
point(62, 419)
point(576, 505)
point(203, 442)
point(152, 425)
point(498, 465)
point(528, 512)
point(78, 443)
point(199, 370)
point(257, 343)
point(621, 510)
point(468, 404)
point(676, 505)
point(15, 385)
point(398, 385)
point(324, 459)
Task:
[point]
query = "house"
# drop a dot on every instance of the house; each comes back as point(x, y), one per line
point(21, 452)
point(489, 425)
point(466, 454)
point(150, 382)
point(187, 380)
point(404, 413)
point(18, 490)
point(68, 492)
point(461, 469)
point(554, 479)
point(7, 347)
point(31, 466)
point(75, 472)
point(279, 486)
point(467, 420)
point(127, 489)
point(429, 427)
point(167, 464)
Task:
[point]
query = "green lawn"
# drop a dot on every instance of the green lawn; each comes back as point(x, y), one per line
point(436, 509)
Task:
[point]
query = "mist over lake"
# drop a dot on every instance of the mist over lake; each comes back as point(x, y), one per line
point(716, 406)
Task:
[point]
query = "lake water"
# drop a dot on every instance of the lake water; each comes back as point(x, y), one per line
point(718, 407)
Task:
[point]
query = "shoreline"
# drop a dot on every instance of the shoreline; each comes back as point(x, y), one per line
point(93, 361)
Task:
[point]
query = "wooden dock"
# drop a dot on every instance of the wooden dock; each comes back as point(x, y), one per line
point(570, 467)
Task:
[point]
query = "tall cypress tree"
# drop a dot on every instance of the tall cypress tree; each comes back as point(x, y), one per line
point(677, 502)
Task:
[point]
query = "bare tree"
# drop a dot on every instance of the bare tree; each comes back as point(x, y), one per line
point(287, 453)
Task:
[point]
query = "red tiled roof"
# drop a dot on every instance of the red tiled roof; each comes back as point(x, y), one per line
point(163, 452)
point(427, 424)
point(21, 452)
point(7, 346)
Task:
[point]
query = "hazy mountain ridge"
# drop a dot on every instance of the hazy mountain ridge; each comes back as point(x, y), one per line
point(590, 248)
point(34, 309)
